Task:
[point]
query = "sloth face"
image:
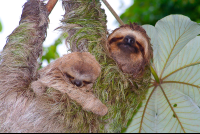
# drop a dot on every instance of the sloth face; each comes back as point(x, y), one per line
point(129, 46)
point(81, 69)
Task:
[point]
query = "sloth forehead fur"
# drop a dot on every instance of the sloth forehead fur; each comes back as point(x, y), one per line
point(139, 37)
point(80, 65)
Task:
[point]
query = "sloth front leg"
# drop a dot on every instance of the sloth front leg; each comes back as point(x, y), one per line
point(86, 99)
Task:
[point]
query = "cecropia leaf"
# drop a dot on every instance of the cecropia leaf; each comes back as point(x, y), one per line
point(174, 32)
point(172, 104)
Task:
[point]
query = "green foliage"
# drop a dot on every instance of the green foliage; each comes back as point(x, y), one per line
point(150, 11)
point(51, 51)
point(1, 26)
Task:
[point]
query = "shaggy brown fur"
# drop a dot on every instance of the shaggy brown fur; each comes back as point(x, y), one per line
point(18, 106)
point(130, 47)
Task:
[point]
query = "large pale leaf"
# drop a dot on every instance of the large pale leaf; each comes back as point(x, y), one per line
point(172, 103)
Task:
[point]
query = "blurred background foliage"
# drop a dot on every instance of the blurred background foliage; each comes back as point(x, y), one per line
point(150, 11)
point(50, 53)
point(0, 26)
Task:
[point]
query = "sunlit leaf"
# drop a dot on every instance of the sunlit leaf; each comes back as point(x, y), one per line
point(172, 104)
point(185, 74)
point(174, 32)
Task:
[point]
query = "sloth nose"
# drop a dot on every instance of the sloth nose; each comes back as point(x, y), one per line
point(78, 83)
point(129, 40)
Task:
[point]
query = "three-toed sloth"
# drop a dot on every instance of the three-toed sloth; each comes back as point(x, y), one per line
point(73, 74)
point(129, 46)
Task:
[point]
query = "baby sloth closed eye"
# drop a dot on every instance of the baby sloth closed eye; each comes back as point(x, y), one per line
point(129, 46)
point(73, 74)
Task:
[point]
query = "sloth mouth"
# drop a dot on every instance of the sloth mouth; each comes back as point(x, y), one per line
point(127, 47)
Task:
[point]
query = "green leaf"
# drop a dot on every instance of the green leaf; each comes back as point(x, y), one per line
point(184, 71)
point(50, 53)
point(174, 32)
point(1, 27)
point(172, 103)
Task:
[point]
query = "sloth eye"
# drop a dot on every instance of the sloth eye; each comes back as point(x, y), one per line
point(69, 76)
point(115, 39)
point(86, 82)
point(138, 43)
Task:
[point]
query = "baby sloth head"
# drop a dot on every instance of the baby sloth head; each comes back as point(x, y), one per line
point(81, 69)
point(73, 74)
point(129, 46)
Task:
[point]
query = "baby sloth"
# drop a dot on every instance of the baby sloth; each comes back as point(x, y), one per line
point(73, 74)
point(129, 46)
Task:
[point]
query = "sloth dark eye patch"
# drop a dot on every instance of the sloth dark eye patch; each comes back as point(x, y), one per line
point(115, 39)
point(141, 47)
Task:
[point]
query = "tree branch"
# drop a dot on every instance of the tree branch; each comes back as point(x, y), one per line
point(113, 12)
point(50, 5)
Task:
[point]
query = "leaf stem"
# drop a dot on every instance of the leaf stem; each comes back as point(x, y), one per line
point(154, 74)
point(113, 12)
point(172, 108)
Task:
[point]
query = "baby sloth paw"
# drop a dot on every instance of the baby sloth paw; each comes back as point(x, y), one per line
point(100, 109)
point(97, 107)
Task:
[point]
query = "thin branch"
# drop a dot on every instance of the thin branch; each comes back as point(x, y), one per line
point(113, 12)
point(50, 5)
